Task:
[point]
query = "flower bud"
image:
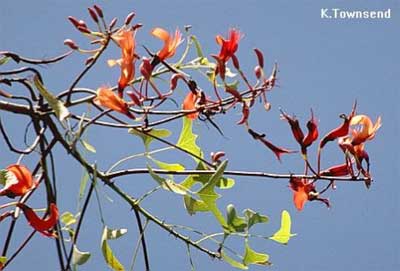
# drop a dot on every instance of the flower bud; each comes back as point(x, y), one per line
point(112, 23)
point(93, 14)
point(235, 62)
point(129, 18)
point(89, 60)
point(84, 30)
point(74, 21)
point(215, 157)
point(260, 57)
point(258, 71)
point(71, 44)
point(98, 10)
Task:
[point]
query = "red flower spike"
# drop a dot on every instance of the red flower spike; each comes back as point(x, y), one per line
point(171, 43)
point(229, 46)
point(105, 97)
point(189, 104)
point(278, 151)
point(19, 181)
point(312, 132)
point(295, 126)
point(338, 170)
point(260, 57)
point(340, 131)
point(43, 226)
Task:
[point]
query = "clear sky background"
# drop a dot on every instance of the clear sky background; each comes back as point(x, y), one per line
point(323, 64)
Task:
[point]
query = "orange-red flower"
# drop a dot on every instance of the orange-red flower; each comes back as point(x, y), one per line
point(19, 180)
point(170, 42)
point(190, 104)
point(338, 170)
point(228, 46)
point(303, 191)
point(44, 225)
point(126, 41)
point(367, 130)
point(107, 98)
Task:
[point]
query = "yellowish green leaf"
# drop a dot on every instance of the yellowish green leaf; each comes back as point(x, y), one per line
point(193, 205)
point(254, 217)
point(111, 260)
point(167, 184)
point(59, 109)
point(235, 222)
point(88, 146)
point(147, 137)
point(187, 139)
point(167, 166)
point(233, 262)
point(79, 257)
point(283, 235)
point(252, 257)
point(68, 219)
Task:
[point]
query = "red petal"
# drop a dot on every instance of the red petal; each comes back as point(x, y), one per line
point(295, 126)
point(23, 183)
point(39, 224)
point(338, 170)
point(312, 132)
point(189, 104)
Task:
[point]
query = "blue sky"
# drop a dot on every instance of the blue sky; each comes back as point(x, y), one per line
point(323, 64)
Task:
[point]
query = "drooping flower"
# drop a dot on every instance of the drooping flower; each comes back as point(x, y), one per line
point(171, 42)
point(228, 46)
point(18, 181)
point(107, 98)
point(44, 225)
point(126, 41)
point(367, 130)
point(303, 191)
point(338, 170)
point(189, 103)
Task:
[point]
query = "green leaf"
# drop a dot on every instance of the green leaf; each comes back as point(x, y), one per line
point(68, 219)
point(196, 42)
point(82, 185)
point(283, 235)
point(167, 184)
point(233, 262)
point(193, 205)
point(79, 257)
point(3, 259)
point(167, 166)
point(87, 146)
point(235, 222)
point(254, 217)
point(3, 176)
point(108, 254)
point(209, 196)
point(223, 183)
point(4, 60)
point(161, 133)
point(59, 109)
point(187, 140)
point(252, 257)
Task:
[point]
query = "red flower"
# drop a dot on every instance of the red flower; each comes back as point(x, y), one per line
point(170, 42)
point(338, 170)
point(126, 41)
point(340, 131)
point(303, 191)
point(312, 134)
point(229, 46)
point(105, 97)
point(367, 130)
point(19, 180)
point(295, 126)
point(278, 151)
point(190, 104)
point(45, 225)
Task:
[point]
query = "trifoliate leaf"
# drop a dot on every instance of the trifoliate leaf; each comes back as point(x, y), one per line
point(254, 217)
point(167, 184)
point(187, 140)
point(252, 257)
point(193, 205)
point(235, 222)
